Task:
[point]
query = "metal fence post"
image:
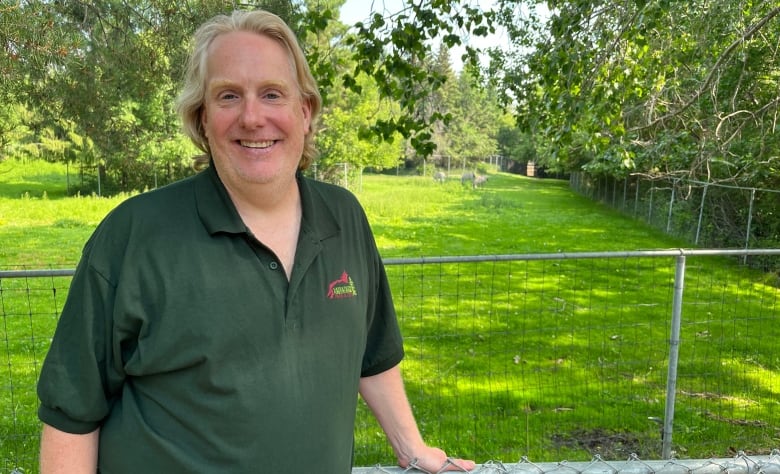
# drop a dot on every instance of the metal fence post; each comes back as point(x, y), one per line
point(636, 197)
point(650, 206)
point(749, 223)
point(625, 193)
point(671, 208)
point(701, 213)
point(674, 352)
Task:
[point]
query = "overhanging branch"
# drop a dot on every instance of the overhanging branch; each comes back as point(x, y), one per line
point(723, 57)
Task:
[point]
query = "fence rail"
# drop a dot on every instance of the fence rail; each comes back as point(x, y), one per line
point(658, 354)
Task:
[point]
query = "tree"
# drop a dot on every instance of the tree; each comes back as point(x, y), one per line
point(680, 88)
point(345, 138)
point(439, 103)
point(396, 51)
point(112, 68)
point(476, 117)
point(16, 137)
point(517, 148)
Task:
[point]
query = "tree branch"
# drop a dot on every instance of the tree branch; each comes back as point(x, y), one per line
point(708, 80)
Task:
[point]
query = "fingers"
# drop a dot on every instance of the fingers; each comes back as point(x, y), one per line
point(460, 465)
point(449, 465)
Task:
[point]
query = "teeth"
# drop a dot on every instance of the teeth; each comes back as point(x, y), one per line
point(264, 144)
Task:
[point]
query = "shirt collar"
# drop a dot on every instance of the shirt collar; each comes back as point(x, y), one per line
point(216, 209)
point(219, 214)
point(317, 218)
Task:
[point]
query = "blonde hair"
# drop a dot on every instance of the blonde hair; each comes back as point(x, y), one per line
point(189, 104)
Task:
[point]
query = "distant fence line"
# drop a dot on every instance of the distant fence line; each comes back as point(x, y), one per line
point(705, 214)
point(649, 354)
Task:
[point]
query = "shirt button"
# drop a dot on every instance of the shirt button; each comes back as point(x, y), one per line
point(273, 266)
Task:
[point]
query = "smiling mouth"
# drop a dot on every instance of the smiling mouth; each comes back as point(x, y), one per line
point(258, 145)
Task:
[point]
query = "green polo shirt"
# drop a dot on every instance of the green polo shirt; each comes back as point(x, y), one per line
point(184, 342)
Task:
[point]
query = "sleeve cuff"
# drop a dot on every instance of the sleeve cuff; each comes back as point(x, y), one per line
point(384, 365)
point(62, 422)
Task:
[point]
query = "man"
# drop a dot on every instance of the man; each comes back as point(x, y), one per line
point(226, 323)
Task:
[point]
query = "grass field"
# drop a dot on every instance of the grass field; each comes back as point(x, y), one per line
point(411, 216)
point(542, 348)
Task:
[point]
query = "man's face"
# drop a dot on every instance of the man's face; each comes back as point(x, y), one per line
point(253, 116)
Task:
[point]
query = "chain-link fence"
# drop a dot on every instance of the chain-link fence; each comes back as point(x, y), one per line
point(704, 214)
point(739, 464)
point(657, 354)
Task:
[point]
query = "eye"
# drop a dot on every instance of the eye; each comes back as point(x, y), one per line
point(272, 95)
point(227, 96)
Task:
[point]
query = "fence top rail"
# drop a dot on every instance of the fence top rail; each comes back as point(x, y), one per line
point(581, 255)
point(62, 272)
point(483, 258)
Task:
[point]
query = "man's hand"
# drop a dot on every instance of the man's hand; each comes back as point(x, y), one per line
point(385, 395)
point(434, 460)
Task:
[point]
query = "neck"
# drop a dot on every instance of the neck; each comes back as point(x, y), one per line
point(264, 198)
point(274, 218)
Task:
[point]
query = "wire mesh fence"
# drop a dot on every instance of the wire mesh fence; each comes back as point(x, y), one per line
point(739, 464)
point(705, 213)
point(543, 357)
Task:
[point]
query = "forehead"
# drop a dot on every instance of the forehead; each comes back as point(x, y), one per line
point(246, 51)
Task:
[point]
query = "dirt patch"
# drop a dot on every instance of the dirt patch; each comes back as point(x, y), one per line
point(609, 445)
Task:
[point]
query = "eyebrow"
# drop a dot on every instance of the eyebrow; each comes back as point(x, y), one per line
point(228, 84)
point(218, 84)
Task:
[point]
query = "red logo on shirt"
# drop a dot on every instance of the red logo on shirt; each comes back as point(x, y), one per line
point(344, 287)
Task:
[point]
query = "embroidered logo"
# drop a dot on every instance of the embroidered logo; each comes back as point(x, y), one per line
point(344, 287)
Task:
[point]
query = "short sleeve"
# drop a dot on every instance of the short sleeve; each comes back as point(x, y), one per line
point(384, 347)
point(78, 377)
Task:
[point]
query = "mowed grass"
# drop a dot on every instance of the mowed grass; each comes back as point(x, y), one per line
point(413, 216)
point(40, 226)
point(553, 359)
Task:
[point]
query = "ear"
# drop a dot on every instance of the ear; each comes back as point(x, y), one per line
point(306, 112)
point(203, 118)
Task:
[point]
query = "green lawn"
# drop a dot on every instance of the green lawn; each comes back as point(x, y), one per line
point(554, 359)
point(411, 216)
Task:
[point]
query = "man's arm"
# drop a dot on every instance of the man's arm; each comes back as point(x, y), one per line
point(385, 395)
point(66, 453)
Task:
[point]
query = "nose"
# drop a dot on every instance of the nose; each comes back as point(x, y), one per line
point(252, 113)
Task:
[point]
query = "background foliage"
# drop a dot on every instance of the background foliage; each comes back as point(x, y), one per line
point(653, 87)
point(688, 91)
point(93, 83)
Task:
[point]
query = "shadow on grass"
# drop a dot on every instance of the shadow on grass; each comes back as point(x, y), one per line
point(49, 185)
